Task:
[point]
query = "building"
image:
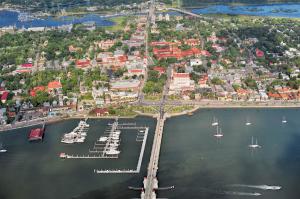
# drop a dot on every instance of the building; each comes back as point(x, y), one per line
point(101, 112)
point(83, 63)
point(195, 62)
point(125, 85)
point(107, 44)
point(181, 82)
point(160, 69)
point(36, 89)
point(54, 87)
point(4, 97)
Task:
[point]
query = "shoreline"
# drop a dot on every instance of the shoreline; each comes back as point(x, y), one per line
point(4, 129)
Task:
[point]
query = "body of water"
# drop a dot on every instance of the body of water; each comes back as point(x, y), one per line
point(198, 164)
point(34, 170)
point(10, 18)
point(201, 166)
point(273, 10)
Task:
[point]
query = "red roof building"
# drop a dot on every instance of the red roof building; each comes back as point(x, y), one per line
point(54, 85)
point(4, 97)
point(83, 63)
point(36, 134)
point(137, 72)
point(192, 42)
point(27, 65)
point(259, 53)
point(101, 112)
point(36, 89)
point(160, 69)
point(175, 52)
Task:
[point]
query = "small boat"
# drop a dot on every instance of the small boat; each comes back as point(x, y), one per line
point(283, 120)
point(63, 155)
point(254, 146)
point(102, 139)
point(215, 122)
point(219, 133)
point(248, 123)
point(2, 149)
point(67, 141)
point(112, 152)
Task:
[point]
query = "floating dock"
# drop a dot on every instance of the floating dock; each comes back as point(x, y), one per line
point(124, 171)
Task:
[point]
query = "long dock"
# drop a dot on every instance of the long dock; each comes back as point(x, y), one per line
point(89, 157)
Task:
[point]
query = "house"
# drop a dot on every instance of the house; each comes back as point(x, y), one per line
point(4, 97)
point(73, 49)
point(54, 86)
point(160, 69)
point(195, 62)
point(259, 53)
point(83, 63)
point(101, 112)
point(107, 44)
point(36, 89)
point(192, 42)
point(137, 72)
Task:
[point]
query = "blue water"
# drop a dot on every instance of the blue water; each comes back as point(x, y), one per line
point(273, 10)
point(10, 18)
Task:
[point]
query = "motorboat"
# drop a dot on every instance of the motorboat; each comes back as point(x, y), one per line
point(67, 141)
point(102, 139)
point(112, 152)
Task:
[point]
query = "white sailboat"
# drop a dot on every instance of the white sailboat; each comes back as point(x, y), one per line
point(2, 149)
point(254, 145)
point(215, 122)
point(218, 133)
point(248, 123)
point(283, 120)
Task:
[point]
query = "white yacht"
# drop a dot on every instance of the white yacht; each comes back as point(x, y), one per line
point(112, 152)
point(218, 133)
point(102, 139)
point(215, 122)
point(67, 141)
point(254, 146)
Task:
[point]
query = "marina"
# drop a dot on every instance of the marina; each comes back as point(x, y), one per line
point(77, 135)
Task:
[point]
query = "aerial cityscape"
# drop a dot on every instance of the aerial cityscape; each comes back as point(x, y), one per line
point(117, 99)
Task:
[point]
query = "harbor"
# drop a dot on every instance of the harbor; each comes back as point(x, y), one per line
point(106, 146)
point(189, 151)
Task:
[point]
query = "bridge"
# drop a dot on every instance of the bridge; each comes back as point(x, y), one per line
point(185, 12)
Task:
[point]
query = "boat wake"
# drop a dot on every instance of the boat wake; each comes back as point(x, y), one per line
point(263, 187)
point(241, 193)
point(236, 193)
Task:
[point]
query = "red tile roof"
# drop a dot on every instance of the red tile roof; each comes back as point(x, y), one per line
point(54, 85)
point(4, 96)
point(27, 65)
point(181, 75)
point(82, 63)
point(259, 53)
point(159, 69)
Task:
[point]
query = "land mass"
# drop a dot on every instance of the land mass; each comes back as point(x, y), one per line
point(188, 3)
